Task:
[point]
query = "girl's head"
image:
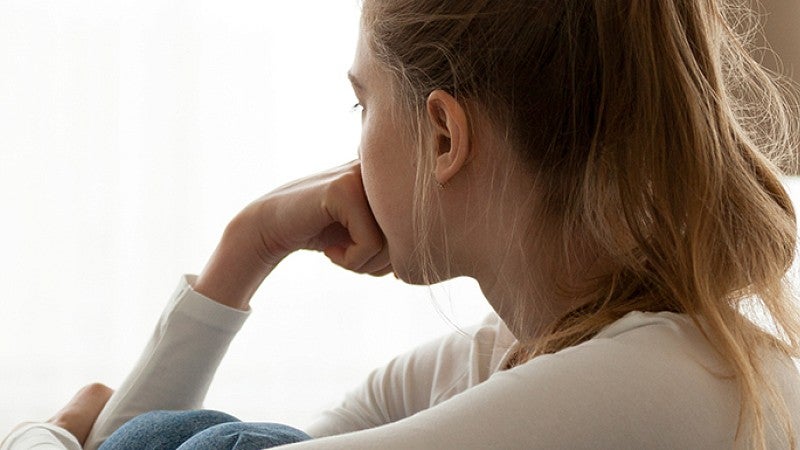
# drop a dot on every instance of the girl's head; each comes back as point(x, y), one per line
point(626, 141)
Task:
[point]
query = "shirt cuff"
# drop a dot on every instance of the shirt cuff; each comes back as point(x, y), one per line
point(43, 436)
point(190, 303)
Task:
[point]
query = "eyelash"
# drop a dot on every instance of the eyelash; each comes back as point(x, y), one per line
point(357, 106)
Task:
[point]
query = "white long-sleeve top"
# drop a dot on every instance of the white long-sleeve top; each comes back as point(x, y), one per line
point(648, 380)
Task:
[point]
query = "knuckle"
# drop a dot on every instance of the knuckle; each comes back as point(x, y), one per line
point(349, 264)
point(349, 181)
point(97, 388)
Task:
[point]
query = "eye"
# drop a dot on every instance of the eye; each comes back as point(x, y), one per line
point(357, 107)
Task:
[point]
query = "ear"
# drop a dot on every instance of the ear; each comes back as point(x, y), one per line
point(450, 134)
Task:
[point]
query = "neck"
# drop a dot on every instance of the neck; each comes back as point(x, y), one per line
point(525, 273)
point(496, 237)
point(531, 294)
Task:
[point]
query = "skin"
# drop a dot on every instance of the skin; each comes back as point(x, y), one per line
point(79, 414)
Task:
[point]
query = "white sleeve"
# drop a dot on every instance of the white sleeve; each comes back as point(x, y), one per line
point(178, 363)
point(402, 388)
point(419, 379)
point(40, 436)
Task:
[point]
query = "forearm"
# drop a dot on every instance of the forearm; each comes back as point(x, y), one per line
point(177, 365)
point(231, 277)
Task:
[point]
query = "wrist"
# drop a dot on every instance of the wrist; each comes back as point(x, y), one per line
point(235, 270)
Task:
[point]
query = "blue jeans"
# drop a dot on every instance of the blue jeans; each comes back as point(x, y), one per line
point(198, 430)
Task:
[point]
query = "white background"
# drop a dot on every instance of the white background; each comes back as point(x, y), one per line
point(130, 133)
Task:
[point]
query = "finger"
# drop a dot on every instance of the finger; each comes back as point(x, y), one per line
point(378, 262)
point(335, 253)
point(367, 243)
point(385, 271)
point(367, 238)
point(334, 235)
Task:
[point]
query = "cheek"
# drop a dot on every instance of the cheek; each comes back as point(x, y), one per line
point(376, 162)
point(387, 172)
point(380, 186)
point(369, 168)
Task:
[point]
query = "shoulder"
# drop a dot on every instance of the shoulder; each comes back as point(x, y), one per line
point(645, 350)
point(653, 374)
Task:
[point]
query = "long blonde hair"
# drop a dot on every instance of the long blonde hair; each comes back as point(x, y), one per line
point(657, 134)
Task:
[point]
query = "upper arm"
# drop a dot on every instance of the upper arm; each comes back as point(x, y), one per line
point(408, 384)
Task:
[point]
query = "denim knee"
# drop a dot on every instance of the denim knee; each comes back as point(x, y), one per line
point(244, 436)
point(163, 429)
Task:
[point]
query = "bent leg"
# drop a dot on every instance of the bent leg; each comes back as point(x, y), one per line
point(163, 429)
point(244, 436)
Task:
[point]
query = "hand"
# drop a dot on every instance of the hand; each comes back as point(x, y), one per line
point(328, 212)
point(81, 412)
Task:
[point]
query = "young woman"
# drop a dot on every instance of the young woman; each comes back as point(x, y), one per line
point(600, 167)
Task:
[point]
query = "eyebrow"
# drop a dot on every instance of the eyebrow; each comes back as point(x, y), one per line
point(354, 81)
